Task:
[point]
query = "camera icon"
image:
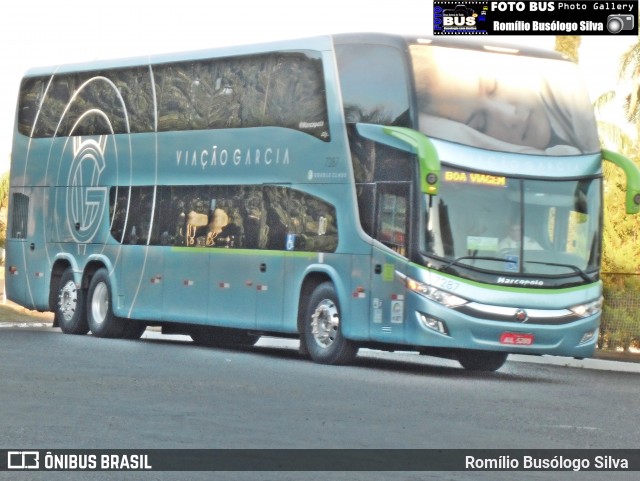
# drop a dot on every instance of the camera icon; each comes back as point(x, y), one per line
point(618, 22)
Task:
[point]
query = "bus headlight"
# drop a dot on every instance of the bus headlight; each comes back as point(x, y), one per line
point(430, 292)
point(588, 309)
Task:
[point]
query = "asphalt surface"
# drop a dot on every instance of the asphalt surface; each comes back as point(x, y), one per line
point(163, 392)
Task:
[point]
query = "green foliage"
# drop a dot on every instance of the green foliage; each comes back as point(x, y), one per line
point(4, 203)
point(630, 70)
point(620, 327)
point(4, 190)
point(568, 45)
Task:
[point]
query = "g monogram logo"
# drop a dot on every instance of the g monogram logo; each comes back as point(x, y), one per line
point(86, 200)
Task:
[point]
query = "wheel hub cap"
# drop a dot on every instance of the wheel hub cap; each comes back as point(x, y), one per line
point(68, 300)
point(325, 322)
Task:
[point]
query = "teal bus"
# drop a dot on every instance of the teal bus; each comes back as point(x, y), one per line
point(354, 190)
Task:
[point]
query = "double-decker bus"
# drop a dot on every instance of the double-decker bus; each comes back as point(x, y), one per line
point(351, 191)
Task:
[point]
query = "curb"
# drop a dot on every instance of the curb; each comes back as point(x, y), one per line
point(596, 363)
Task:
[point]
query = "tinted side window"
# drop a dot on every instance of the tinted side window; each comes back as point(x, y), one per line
point(282, 89)
point(392, 223)
point(374, 84)
point(19, 216)
point(276, 89)
point(87, 103)
point(246, 217)
point(130, 211)
point(375, 90)
point(312, 224)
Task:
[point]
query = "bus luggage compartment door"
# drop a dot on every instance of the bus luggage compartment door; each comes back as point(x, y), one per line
point(186, 285)
point(141, 281)
point(232, 290)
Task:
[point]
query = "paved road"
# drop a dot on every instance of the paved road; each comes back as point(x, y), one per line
point(59, 391)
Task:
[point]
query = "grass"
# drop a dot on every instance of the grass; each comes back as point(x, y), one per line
point(10, 312)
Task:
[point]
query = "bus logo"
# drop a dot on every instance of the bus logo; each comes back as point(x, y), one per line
point(23, 460)
point(86, 200)
point(521, 315)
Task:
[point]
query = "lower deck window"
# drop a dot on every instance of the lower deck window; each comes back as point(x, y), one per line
point(249, 217)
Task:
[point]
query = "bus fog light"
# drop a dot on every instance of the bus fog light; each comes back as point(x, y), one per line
point(434, 324)
point(588, 336)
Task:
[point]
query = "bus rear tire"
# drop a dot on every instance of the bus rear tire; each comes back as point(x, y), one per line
point(474, 360)
point(100, 317)
point(322, 332)
point(70, 313)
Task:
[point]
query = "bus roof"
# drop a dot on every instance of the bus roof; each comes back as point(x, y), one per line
point(463, 42)
point(311, 43)
point(324, 42)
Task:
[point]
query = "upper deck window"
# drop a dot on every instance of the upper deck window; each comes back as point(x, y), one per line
point(374, 85)
point(503, 102)
point(87, 103)
point(279, 89)
point(282, 89)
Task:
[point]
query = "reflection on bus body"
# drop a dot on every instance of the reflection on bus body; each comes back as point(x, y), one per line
point(491, 101)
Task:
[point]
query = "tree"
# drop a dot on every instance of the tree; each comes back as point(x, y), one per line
point(4, 190)
point(621, 246)
point(569, 45)
point(630, 70)
point(4, 204)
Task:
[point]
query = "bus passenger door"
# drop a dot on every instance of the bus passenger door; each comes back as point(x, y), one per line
point(274, 245)
point(389, 260)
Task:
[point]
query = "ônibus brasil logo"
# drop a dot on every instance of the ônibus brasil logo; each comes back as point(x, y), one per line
point(86, 201)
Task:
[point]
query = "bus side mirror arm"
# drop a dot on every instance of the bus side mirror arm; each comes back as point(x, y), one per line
point(409, 140)
point(632, 174)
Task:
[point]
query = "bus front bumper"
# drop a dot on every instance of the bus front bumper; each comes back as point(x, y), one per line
point(432, 325)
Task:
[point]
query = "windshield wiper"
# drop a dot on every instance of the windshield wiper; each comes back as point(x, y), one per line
point(480, 258)
point(580, 272)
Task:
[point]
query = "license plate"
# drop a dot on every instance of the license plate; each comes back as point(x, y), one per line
point(516, 339)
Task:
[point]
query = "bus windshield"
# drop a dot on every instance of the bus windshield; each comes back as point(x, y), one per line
point(511, 226)
point(503, 102)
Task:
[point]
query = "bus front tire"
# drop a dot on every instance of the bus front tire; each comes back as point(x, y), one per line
point(102, 321)
point(70, 315)
point(322, 332)
point(481, 360)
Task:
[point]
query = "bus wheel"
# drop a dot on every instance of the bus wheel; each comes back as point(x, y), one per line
point(70, 307)
point(322, 333)
point(481, 360)
point(100, 316)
